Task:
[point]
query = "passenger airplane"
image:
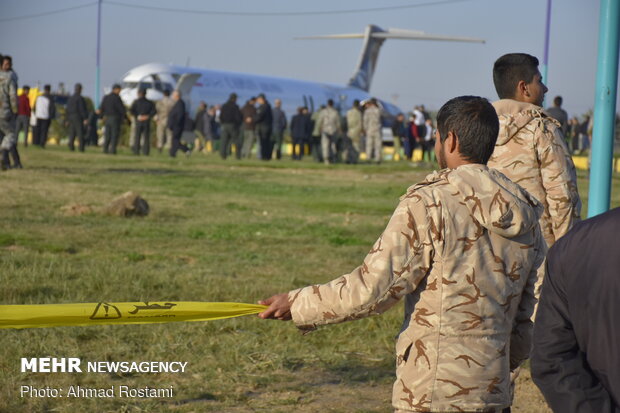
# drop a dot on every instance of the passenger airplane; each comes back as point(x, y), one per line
point(214, 86)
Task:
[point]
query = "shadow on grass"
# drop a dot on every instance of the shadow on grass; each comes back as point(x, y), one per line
point(355, 372)
point(204, 397)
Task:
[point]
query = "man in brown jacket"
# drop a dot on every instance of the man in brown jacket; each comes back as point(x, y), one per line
point(463, 248)
point(530, 149)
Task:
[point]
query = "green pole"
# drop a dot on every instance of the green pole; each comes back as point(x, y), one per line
point(604, 108)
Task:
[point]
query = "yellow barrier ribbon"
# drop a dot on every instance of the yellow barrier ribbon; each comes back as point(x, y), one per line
point(87, 314)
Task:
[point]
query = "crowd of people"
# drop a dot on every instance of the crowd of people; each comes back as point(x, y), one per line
point(255, 129)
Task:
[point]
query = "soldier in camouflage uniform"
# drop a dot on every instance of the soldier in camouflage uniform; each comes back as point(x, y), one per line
point(163, 108)
point(463, 248)
point(329, 128)
point(8, 110)
point(354, 132)
point(372, 130)
point(530, 149)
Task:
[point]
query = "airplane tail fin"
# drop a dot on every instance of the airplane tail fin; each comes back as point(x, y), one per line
point(374, 37)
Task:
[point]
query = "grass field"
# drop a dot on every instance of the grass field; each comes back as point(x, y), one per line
point(217, 231)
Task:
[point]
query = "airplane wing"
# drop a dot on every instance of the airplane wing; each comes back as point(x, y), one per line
point(186, 82)
point(374, 37)
point(397, 34)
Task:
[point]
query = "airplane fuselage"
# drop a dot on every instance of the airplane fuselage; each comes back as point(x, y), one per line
point(215, 86)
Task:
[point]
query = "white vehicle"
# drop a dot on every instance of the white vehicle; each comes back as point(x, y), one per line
point(215, 86)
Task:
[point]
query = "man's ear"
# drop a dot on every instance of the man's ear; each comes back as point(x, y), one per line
point(452, 142)
point(522, 91)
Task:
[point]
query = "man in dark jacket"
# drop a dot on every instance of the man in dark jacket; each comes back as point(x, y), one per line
point(263, 123)
point(301, 127)
point(230, 119)
point(77, 118)
point(143, 110)
point(249, 113)
point(176, 123)
point(279, 125)
point(113, 112)
point(575, 359)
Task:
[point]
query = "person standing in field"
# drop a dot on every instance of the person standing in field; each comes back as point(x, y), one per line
point(575, 354)
point(279, 126)
point(44, 111)
point(530, 148)
point(329, 128)
point(264, 124)
point(176, 123)
point(230, 119)
point(463, 248)
point(163, 108)
point(113, 112)
point(354, 132)
point(559, 114)
point(372, 129)
point(143, 111)
point(249, 113)
point(76, 118)
point(8, 112)
point(23, 114)
point(315, 143)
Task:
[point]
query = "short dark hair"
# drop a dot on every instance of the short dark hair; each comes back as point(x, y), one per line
point(474, 121)
point(166, 92)
point(25, 87)
point(6, 57)
point(47, 88)
point(557, 101)
point(511, 68)
point(330, 102)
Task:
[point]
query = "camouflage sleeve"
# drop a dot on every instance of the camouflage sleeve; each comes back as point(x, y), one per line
point(521, 336)
point(396, 264)
point(13, 95)
point(559, 180)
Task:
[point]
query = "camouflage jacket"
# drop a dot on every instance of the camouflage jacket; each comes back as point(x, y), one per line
point(8, 95)
point(354, 123)
point(372, 121)
point(531, 151)
point(163, 108)
point(462, 247)
point(329, 121)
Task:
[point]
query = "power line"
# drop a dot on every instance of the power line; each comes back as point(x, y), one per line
point(32, 16)
point(302, 13)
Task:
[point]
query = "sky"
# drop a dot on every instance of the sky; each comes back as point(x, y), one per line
point(55, 41)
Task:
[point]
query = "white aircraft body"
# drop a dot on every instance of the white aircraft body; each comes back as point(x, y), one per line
point(215, 86)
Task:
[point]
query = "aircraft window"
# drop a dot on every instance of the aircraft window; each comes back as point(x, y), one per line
point(241, 83)
point(270, 87)
point(157, 85)
point(129, 85)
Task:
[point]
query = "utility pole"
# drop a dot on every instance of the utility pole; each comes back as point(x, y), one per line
point(604, 108)
point(98, 67)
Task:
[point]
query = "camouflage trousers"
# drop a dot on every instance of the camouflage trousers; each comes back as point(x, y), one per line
point(7, 130)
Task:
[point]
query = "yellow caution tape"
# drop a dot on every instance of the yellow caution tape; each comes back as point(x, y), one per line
point(88, 314)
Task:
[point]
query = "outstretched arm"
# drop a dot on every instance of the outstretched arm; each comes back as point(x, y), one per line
point(396, 264)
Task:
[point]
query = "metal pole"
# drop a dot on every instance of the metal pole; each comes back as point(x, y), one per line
point(98, 68)
point(545, 64)
point(604, 108)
